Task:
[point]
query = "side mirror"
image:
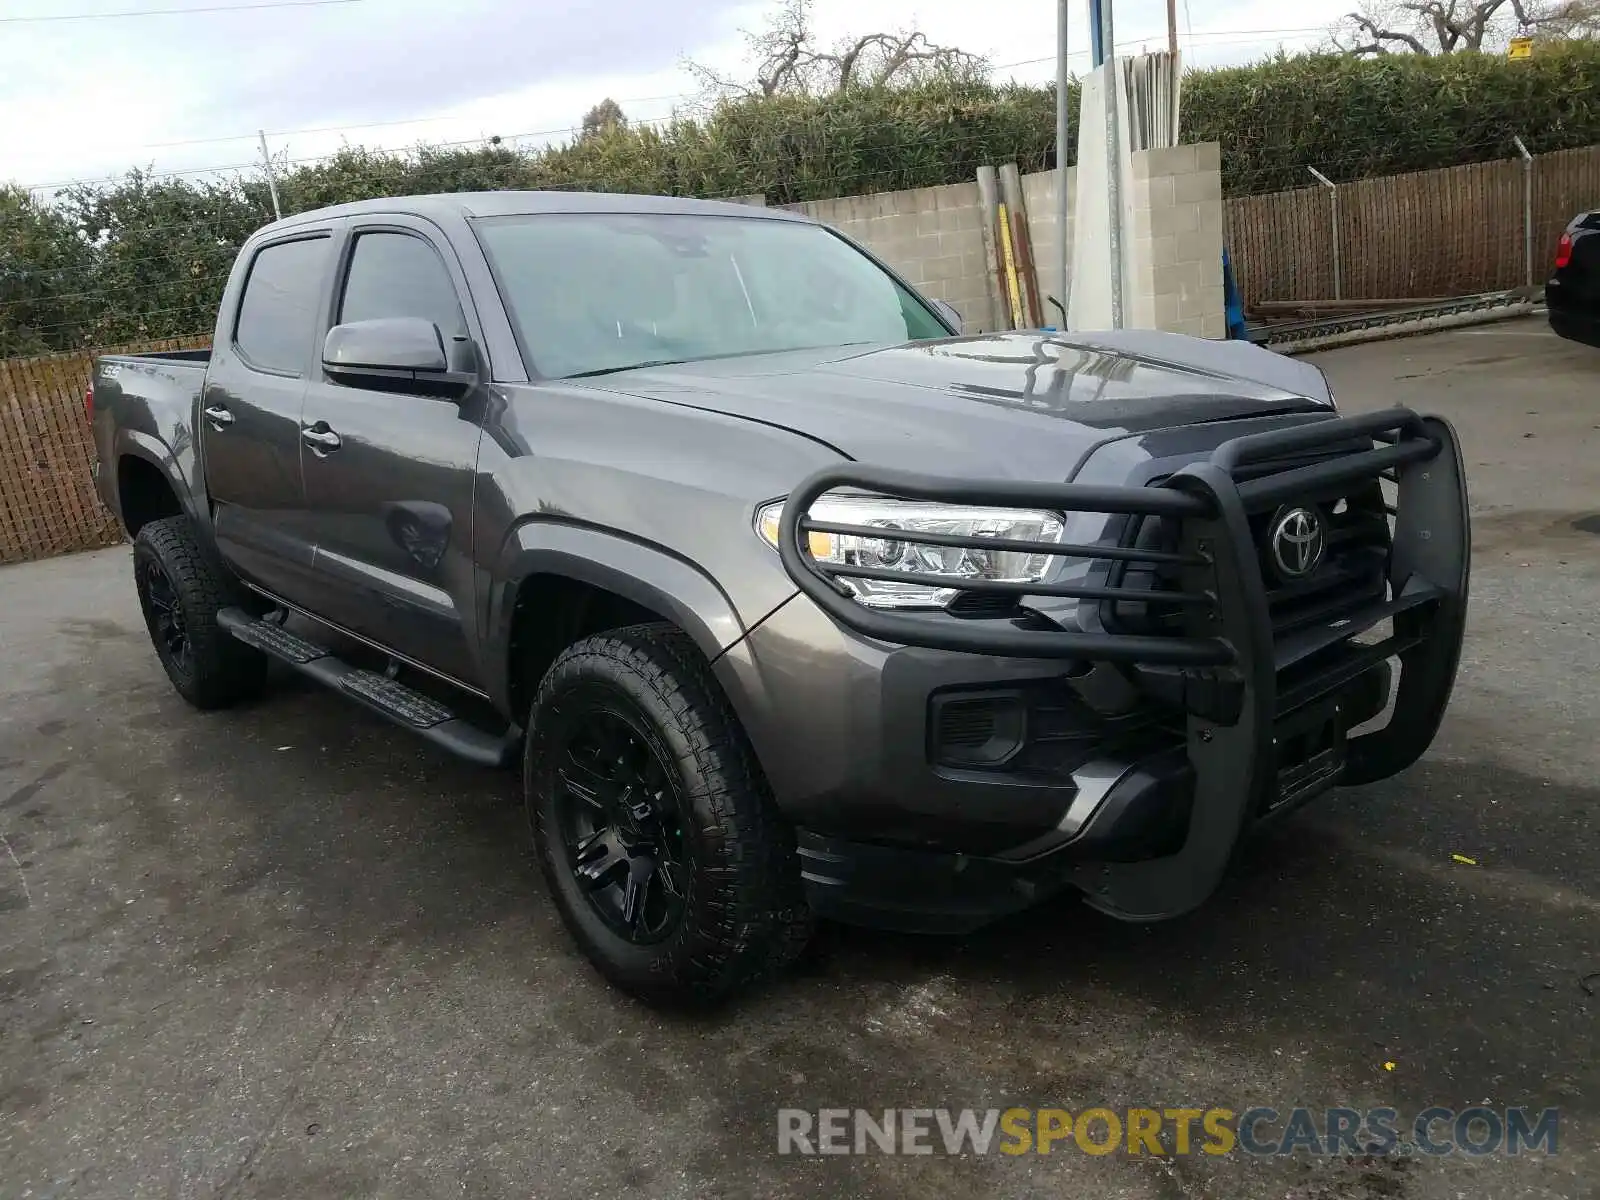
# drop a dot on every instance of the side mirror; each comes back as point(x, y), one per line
point(949, 313)
point(403, 354)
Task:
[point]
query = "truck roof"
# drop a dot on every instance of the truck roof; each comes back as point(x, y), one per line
point(512, 203)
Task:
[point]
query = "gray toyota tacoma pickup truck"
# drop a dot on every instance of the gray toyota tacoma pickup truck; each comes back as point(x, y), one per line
point(790, 601)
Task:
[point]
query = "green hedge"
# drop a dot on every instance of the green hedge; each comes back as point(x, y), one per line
point(148, 257)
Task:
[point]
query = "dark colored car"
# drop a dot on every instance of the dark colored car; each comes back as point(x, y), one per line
point(790, 601)
point(1572, 293)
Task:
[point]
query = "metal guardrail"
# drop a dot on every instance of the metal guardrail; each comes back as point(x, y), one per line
point(1322, 329)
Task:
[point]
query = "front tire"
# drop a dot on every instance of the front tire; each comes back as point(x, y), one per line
point(180, 588)
point(653, 825)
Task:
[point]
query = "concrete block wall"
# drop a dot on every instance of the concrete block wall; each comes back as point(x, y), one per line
point(932, 236)
point(1039, 195)
point(1177, 227)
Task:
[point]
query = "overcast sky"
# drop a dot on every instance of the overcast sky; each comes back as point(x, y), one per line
point(81, 99)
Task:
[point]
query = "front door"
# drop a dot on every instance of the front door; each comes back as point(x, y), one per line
point(250, 416)
point(389, 474)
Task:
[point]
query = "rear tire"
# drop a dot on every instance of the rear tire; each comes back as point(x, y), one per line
point(181, 587)
point(655, 830)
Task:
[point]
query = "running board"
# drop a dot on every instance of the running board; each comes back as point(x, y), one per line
point(389, 698)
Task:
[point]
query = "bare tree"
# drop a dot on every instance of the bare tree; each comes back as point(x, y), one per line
point(1447, 26)
point(1569, 20)
point(603, 118)
point(789, 60)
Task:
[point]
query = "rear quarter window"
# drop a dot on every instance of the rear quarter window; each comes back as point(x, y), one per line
point(278, 311)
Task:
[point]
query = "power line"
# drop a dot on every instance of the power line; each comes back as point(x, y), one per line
point(1248, 35)
point(174, 12)
point(278, 133)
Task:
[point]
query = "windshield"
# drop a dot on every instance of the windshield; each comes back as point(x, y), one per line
point(597, 292)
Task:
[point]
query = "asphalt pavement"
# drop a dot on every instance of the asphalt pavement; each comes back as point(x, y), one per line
point(289, 951)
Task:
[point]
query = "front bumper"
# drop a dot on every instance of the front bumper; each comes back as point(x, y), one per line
point(1147, 829)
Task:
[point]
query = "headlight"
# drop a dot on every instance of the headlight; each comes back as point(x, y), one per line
point(901, 554)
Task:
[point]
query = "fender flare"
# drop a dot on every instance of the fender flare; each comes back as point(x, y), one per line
point(134, 443)
point(646, 573)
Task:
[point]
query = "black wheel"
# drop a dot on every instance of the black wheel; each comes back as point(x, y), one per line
point(653, 824)
point(181, 587)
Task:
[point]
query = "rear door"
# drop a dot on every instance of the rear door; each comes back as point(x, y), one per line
point(390, 473)
point(250, 413)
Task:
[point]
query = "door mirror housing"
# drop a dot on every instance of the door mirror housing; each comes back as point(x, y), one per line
point(401, 354)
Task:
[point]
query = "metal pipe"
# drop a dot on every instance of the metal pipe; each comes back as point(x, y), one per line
point(1063, 145)
point(1527, 212)
point(272, 179)
point(1333, 207)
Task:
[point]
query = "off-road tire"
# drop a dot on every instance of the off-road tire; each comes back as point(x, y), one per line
point(217, 670)
point(745, 916)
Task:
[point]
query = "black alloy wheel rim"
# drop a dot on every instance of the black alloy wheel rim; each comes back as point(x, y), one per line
point(165, 614)
point(619, 816)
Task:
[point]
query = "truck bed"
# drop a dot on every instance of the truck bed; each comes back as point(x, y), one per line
point(149, 400)
point(186, 356)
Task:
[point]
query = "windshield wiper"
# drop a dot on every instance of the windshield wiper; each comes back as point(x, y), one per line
point(638, 366)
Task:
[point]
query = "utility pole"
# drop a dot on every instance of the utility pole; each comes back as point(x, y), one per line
point(1103, 46)
point(1063, 142)
point(272, 178)
point(1172, 27)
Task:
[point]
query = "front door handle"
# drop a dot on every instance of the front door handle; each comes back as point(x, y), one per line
point(219, 417)
point(320, 438)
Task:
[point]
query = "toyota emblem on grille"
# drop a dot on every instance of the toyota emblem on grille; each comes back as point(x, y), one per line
point(1296, 541)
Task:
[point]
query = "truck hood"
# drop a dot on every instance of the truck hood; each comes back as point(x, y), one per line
point(1008, 405)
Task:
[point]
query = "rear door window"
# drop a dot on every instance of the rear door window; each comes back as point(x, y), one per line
point(278, 312)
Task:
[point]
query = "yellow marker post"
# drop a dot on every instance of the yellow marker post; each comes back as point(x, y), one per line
point(1010, 260)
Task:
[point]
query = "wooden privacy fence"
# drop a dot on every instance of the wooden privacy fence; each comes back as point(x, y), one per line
point(1451, 232)
point(47, 499)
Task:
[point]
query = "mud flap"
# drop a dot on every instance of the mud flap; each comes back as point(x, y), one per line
point(1233, 764)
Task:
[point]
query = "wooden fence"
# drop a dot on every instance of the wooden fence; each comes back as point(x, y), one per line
point(1451, 232)
point(47, 499)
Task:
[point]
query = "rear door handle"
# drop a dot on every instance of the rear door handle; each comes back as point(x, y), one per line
point(320, 438)
point(219, 417)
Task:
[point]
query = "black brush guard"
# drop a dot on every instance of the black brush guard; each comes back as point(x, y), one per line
point(1226, 671)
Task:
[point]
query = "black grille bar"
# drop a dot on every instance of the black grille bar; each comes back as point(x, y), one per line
point(1247, 473)
point(998, 493)
point(1009, 587)
point(1315, 435)
point(1275, 489)
point(822, 582)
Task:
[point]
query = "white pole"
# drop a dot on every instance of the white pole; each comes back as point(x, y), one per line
point(1063, 121)
point(272, 179)
point(1333, 207)
point(1527, 211)
point(1113, 160)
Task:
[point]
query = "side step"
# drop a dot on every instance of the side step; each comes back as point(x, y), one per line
point(387, 697)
